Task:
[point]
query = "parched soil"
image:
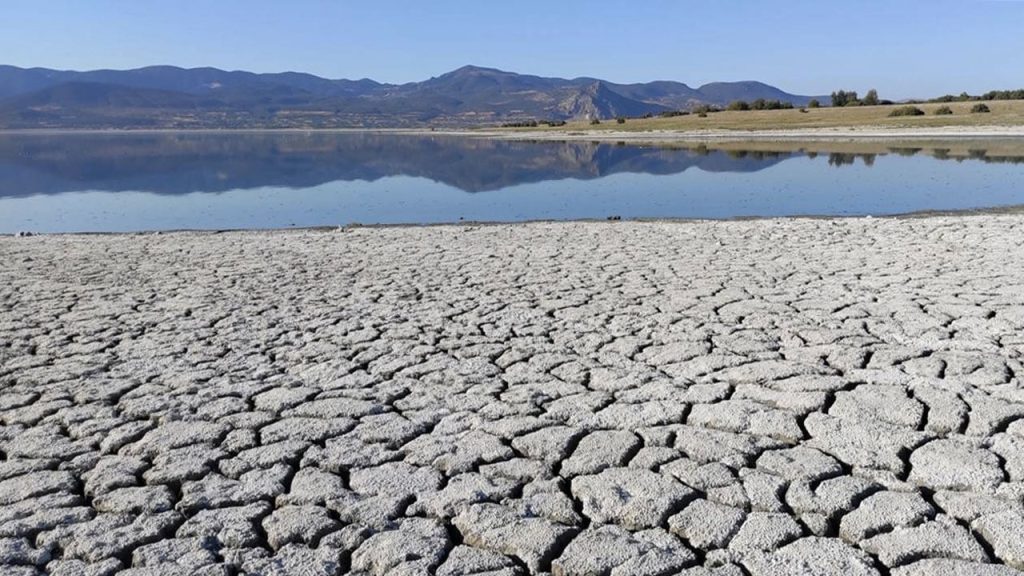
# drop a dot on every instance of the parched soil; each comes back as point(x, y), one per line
point(701, 398)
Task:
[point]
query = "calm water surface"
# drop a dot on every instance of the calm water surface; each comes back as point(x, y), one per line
point(82, 182)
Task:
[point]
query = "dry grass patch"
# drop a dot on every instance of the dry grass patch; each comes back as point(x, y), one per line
point(1003, 113)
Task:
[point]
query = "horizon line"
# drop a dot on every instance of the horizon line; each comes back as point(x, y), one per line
point(464, 66)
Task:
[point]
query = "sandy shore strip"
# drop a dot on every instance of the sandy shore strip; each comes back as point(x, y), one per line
point(703, 398)
point(863, 134)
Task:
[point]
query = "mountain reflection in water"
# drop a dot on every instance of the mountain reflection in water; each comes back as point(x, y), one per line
point(190, 162)
point(180, 163)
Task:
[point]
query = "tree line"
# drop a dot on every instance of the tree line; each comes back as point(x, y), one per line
point(850, 98)
point(533, 123)
point(842, 98)
point(990, 95)
point(760, 104)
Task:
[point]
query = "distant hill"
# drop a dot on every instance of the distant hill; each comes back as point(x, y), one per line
point(171, 97)
point(725, 92)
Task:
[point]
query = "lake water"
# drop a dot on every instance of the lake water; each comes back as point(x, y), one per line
point(154, 181)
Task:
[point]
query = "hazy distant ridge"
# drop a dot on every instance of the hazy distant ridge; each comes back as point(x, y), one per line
point(171, 97)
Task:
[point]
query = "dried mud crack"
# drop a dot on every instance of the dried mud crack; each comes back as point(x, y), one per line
point(706, 398)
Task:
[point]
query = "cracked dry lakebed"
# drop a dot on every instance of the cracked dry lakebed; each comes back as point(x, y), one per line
point(586, 398)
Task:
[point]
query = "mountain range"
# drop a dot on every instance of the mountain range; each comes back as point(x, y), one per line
point(172, 97)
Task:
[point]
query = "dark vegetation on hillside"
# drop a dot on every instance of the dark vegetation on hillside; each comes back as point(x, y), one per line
point(992, 95)
point(167, 97)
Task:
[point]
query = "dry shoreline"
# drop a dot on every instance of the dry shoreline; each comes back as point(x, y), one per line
point(866, 133)
point(717, 397)
point(1010, 210)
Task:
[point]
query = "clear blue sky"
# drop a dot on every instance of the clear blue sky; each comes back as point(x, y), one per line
point(904, 48)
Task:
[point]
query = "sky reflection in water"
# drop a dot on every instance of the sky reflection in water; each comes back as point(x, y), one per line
point(128, 182)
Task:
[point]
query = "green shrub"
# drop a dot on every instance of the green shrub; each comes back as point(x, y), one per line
point(871, 99)
point(702, 115)
point(594, 121)
point(980, 109)
point(521, 124)
point(814, 103)
point(620, 120)
point(943, 111)
point(907, 111)
point(738, 105)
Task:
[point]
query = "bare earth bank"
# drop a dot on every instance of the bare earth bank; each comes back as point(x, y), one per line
point(865, 133)
point(785, 396)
